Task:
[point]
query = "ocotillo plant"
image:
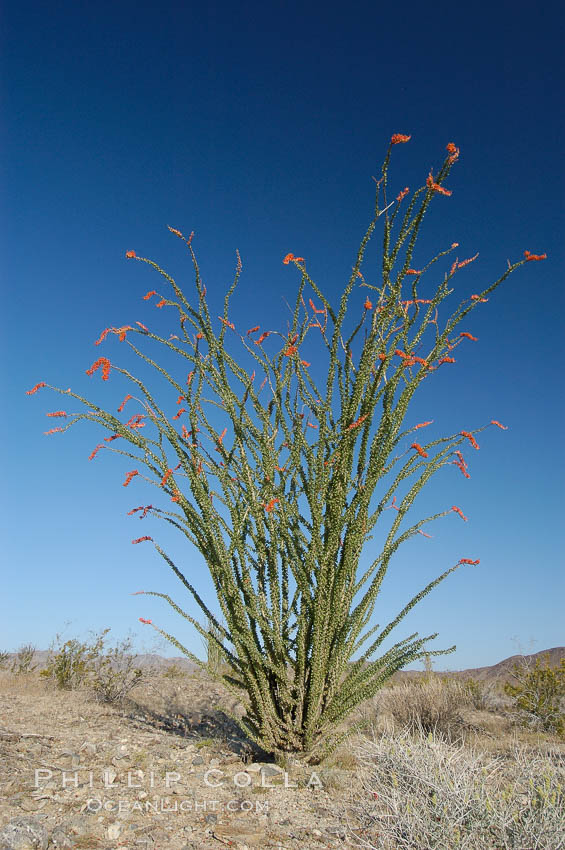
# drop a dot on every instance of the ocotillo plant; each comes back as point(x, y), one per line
point(281, 501)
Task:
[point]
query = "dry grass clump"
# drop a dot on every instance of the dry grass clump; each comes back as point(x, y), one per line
point(432, 704)
point(425, 793)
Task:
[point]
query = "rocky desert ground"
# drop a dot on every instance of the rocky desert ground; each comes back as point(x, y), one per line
point(168, 770)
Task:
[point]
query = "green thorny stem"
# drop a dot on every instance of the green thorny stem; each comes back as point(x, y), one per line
point(285, 568)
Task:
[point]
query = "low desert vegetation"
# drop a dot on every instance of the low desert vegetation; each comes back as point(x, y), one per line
point(433, 776)
point(422, 791)
point(538, 694)
point(23, 659)
point(432, 704)
point(108, 672)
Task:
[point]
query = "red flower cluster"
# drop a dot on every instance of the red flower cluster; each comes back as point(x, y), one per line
point(453, 152)
point(529, 257)
point(468, 561)
point(399, 138)
point(101, 362)
point(123, 404)
point(141, 539)
point(470, 438)
point(419, 449)
point(143, 515)
point(469, 336)
point(129, 476)
point(460, 463)
point(435, 187)
point(459, 511)
point(226, 323)
point(291, 258)
point(130, 255)
point(93, 454)
point(316, 309)
point(402, 194)
point(357, 422)
point(36, 388)
point(494, 422)
point(57, 413)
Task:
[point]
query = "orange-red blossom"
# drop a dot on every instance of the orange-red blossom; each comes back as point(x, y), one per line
point(529, 257)
point(419, 449)
point(271, 505)
point(101, 362)
point(290, 257)
point(141, 539)
point(453, 152)
point(129, 476)
point(494, 422)
point(57, 413)
point(36, 388)
point(468, 561)
point(143, 515)
point(399, 138)
point(130, 255)
point(459, 511)
point(226, 323)
point(93, 454)
point(470, 438)
point(147, 622)
point(357, 422)
point(123, 404)
point(435, 187)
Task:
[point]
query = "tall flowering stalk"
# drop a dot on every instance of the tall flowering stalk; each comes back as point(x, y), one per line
point(282, 499)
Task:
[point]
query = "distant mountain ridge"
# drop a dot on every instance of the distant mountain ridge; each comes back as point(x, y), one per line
point(502, 670)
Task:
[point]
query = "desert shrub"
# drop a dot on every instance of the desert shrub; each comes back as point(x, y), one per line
point(70, 663)
point(538, 692)
point(109, 673)
point(23, 660)
point(483, 696)
point(173, 671)
point(114, 673)
point(428, 794)
point(430, 704)
point(4, 660)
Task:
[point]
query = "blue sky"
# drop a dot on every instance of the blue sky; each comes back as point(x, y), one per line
point(260, 126)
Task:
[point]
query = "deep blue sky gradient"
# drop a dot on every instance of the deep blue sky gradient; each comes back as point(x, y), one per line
point(259, 126)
